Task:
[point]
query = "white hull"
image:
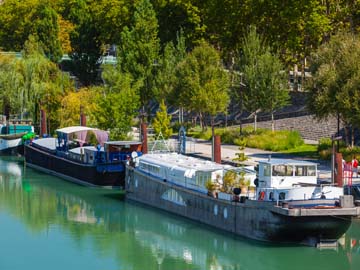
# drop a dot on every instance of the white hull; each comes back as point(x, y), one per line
point(9, 144)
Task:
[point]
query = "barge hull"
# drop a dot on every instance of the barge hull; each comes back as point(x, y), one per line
point(251, 219)
point(83, 174)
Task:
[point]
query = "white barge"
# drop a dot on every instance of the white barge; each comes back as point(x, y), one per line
point(287, 205)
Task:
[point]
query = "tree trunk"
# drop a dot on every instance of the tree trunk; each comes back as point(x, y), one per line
point(241, 131)
point(272, 122)
point(346, 130)
point(352, 136)
point(202, 126)
point(255, 121)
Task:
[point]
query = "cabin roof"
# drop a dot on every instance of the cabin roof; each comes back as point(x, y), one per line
point(282, 161)
point(178, 160)
point(122, 143)
point(68, 130)
point(49, 143)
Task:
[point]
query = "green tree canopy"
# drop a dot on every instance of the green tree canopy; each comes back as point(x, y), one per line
point(139, 50)
point(265, 81)
point(203, 83)
point(119, 102)
point(334, 86)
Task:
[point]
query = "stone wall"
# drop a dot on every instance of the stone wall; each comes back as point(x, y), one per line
point(309, 127)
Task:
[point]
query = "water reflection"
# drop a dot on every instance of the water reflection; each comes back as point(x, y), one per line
point(122, 235)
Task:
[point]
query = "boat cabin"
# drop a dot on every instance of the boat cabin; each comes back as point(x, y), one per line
point(279, 173)
point(91, 145)
point(288, 180)
point(192, 173)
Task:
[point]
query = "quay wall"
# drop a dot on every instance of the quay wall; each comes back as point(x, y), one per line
point(308, 126)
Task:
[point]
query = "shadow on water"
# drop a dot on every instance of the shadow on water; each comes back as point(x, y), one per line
point(138, 237)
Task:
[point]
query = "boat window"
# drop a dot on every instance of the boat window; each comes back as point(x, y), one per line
point(305, 171)
point(311, 171)
point(282, 170)
point(282, 196)
point(267, 170)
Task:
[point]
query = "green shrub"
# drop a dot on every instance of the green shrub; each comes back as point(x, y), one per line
point(324, 144)
point(349, 152)
point(275, 141)
point(229, 135)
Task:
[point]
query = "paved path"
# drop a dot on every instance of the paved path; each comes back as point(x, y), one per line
point(228, 153)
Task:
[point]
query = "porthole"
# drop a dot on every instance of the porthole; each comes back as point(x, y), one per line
point(225, 213)
point(215, 210)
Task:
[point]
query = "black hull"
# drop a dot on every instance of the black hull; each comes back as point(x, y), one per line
point(13, 151)
point(252, 219)
point(84, 174)
point(308, 230)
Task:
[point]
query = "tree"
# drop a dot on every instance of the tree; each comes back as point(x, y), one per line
point(72, 103)
point(334, 86)
point(203, 83)
point(139, 50)
point(20, 19)
point(166, 80)
point(161, 122)
point(179, 14)
point(265, 79)
point(251, 51)
point(273, 82)
point(119, 102)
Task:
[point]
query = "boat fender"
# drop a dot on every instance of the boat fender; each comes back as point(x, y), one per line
point(262, 195)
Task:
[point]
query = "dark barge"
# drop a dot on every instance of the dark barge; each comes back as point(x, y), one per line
point(70, 156)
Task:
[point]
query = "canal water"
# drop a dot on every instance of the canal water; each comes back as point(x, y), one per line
point(48, 223)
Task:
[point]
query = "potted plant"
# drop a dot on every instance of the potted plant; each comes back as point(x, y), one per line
point(229, 181)
point(211, 187)
point(243, 183)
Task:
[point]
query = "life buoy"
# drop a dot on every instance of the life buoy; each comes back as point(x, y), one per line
point(262, 195)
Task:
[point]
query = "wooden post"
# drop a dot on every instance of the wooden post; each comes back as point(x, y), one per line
point(338, 169)
point(217, 149)
point(144, 138)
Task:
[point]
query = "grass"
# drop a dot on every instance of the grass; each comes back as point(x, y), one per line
point(305, 150)
point(289, 142)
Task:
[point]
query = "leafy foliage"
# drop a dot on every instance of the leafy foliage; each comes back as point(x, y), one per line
point(265, 82)
point(118, 102)
point(202, 82)
point(71, 104)
point(334, 86)
point(161, 122)
point(139, 49)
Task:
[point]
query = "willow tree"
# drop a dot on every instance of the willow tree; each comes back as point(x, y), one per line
point(33, 82)
point(335, 82)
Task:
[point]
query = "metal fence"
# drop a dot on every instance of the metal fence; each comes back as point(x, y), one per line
point(170, 145)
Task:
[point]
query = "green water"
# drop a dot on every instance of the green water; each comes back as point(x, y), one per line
point(47, 223)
